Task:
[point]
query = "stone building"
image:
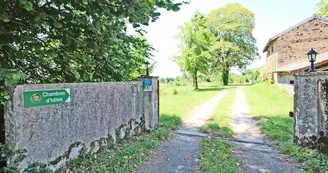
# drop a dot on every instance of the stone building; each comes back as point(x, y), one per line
point(286, 51)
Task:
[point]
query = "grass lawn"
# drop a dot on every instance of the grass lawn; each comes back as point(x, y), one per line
point(175, 103)
point(270, 106)
point(179, 101)
point(218, 155)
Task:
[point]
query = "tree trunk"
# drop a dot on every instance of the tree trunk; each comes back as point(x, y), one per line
point(225, 76)
point(3, 163)
point(2, 121)
point(196, 81)
point(193, 81)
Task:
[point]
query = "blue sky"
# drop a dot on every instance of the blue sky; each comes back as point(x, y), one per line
point(271, 17)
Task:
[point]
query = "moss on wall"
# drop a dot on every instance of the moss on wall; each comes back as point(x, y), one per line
point(124, 131)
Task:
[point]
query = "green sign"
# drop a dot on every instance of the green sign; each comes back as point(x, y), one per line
point(46, 97)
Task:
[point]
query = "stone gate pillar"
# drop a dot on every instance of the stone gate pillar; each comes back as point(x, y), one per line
point(150, 101)
point(311, 110)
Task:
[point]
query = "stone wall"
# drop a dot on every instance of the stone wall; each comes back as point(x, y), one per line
point(310, 110)
point(97, 114)
point(283, 81)
point(294, 45)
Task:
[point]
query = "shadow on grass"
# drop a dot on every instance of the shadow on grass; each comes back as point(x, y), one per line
point(220, 88)
point(169, 121)
point(209, 89)
point(238, 85)
point(215, 130)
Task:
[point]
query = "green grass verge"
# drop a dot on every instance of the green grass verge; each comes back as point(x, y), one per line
point(220, 122)
point(270, 106)
point(217, 156)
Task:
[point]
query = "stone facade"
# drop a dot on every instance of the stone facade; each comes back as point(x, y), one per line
point(98, 114)
point(293, 45)
point(272, 65)
point(311, 110)
point(296, 43)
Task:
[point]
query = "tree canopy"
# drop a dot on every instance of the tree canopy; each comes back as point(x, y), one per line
point(322, 7)
point(76, 40)
point(233, 43)
point(214, 43)
point(194, 47)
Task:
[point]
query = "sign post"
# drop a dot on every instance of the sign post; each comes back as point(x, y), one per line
point(46, 97)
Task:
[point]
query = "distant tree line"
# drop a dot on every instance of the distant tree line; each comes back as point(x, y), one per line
point(248, 76)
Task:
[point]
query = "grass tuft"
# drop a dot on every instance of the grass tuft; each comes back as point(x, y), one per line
point(217, 156)
point(170, 121)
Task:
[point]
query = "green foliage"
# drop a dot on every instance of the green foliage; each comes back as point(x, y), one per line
point(264, 74)
point(163, 134)
point(38, 167)
point(217, 156)
point(8, 77)
point(175, 91)
point(170, 122)
point(271, 113)
point(248, 76)
point(76, 41)
point(194, 47)
point(11, 76)
point(233, 43)
point(14, 156)
point(220, 122)
point(236, 79)
point(322, 7)
point(252, 75)
point(178, 81)
point(166, 80)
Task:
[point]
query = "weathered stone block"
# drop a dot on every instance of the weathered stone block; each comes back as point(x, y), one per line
point(311, 110)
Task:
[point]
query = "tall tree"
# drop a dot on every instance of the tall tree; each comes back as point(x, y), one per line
point(233, 43)
point(322, 7)
point(75, 40)
point(194, 47)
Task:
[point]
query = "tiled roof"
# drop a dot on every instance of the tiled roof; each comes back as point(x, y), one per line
point(304, 64)
point(314, 16)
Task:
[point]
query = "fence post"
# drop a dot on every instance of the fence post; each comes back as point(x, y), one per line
point(150, 101)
